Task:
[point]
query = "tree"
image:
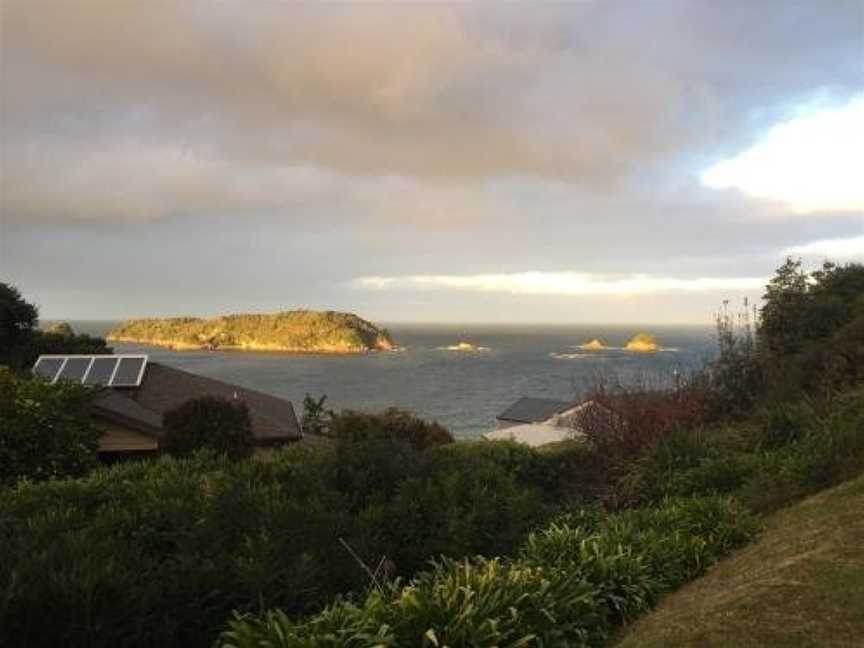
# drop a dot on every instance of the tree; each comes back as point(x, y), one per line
point(18, 319)
point(783, 317)
point(46, 430)
point(209, 422)
point(801, 307)
point(315, 417)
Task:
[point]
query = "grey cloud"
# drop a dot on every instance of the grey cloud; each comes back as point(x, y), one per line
point(266, 154)
point(588, 93)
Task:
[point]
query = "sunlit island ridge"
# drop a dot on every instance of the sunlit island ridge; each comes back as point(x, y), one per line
point(300, 331)
point(594, 345)
point(641, 342)
point(465, 347)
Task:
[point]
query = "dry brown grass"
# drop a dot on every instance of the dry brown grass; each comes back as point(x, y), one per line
point(801, 584)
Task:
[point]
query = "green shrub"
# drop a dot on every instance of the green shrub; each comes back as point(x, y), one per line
point(18, 320)
point(618, 575)
point(572, 583)
point(458, 506)
point(209, 422)
point(632, 556)
point(56, 343)
point(392, 425)
point(482, 602)
point(45, 430)
point(784, 423)
point(341, 625)
point(476, 602)
point(833, 449)
point(160, 553)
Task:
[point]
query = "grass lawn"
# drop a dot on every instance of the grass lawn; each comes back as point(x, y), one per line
point(801, 584)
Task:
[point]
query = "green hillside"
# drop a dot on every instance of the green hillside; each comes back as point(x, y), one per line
point(299, 330)
point(801, 584)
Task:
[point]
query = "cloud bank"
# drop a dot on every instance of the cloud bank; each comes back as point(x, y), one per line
point(562, 283)
point(272, 153)
point(182, 107)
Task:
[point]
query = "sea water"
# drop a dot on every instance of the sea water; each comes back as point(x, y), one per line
point(463, 390)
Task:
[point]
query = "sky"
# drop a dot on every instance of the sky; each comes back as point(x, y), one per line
point(578, 162)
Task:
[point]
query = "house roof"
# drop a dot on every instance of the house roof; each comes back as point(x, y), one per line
point(534, 410)
point(163, 388)
point(118, 407)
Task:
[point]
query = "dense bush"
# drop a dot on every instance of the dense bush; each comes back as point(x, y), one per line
point(460, 504)
point(160, 553)
point(625, 420)
point(53, 343)
point(782, 453)
point(211, 423)
point(45, 430)
point(392, 426)
point(807, 340)
point(18, 320)
point(572, 583)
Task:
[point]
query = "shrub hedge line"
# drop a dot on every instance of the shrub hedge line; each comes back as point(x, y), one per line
point(162, 552)
point(571, 585)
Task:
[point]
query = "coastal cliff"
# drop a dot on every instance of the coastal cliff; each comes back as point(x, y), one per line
point(300, 331)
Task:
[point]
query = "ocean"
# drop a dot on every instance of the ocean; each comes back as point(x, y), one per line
point(464, 391)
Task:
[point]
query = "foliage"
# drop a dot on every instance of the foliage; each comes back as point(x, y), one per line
point(18, 320)
point(782, 453)
point(209, 422)
point(622, 422)
point(808, 339)
point(392, 426)
point(45, 430)
point(571, 585)
point(315, 416)
point(735, 377)
point(457, 505)
point(42, 343)
point(298, 330)
point(161, 552)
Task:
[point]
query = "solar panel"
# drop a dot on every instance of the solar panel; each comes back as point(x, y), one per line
point(129, 372)
point(48, 366)
point(101, 370)
point(74, 369)
point(93, 370)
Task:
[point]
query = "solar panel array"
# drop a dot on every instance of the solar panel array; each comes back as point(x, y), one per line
point(95, 370)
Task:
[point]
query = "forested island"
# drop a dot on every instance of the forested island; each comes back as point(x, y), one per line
point(302, 331)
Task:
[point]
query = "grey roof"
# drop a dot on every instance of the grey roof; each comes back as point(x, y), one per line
point(119, 408)
point(534, 410)
point(163, 388)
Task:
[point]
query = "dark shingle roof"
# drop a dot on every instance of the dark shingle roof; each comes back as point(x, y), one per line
point(534, 410)
point(163, 388)
point(117, 407)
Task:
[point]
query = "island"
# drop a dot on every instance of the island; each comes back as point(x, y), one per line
point(466, 347)
point(299, 331)
point(643, 342)
point(593, 345)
